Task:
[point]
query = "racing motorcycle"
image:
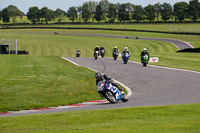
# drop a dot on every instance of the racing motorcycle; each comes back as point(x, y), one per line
point(96, 54)
point(110, 92)
point(126, 58)
point(102, 52)
point(115, 55)
point(145, 60)
point(78, 54)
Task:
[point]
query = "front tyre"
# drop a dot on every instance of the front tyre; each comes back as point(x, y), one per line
point(124, 97)
point(110, 97)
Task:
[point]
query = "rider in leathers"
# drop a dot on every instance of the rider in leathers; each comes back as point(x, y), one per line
point(96, 49)
point(143, 53)
point(99, 77)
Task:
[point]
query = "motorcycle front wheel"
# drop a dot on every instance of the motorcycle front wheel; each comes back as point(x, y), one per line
point(124, 97)
point(110, 97)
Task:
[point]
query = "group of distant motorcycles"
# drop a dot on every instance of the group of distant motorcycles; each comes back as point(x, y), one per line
point(125, 57)
point(106, 89)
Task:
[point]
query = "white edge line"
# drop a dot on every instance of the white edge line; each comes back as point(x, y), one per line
point(169, 68)
point(127, 88)
point(70, 61)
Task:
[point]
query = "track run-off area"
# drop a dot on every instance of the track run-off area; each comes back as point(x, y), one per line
point(147, 86)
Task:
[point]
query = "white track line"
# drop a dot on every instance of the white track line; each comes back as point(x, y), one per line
point(177, 69)
point(127, 88)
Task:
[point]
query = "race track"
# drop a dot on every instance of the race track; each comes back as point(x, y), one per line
point(150, 85)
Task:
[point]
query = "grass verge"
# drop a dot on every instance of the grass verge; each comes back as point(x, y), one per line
point(28, 82)
point(165, 119)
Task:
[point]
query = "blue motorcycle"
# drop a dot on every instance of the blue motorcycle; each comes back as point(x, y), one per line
point(126, 58)
point(110, 92)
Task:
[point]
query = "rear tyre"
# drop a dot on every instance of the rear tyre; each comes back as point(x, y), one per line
point(110, 97)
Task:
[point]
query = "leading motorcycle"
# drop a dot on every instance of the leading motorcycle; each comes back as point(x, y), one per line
point(111, 92)
point(145, 60)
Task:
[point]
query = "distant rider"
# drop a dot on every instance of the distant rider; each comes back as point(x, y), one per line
point(78, 53)
point(99, 77)
point(115, 49)
point(102, 48)
point(96, 49)
point(125, 51)
point(143, 53)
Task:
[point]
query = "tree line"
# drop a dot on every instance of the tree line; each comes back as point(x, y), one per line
point(108, 12)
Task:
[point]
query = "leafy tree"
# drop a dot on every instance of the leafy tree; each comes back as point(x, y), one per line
point(98, 13)
point(0, 15)
point(33, 14)
point(47, 14)
point(92, 8)
point(85, 12)
point(157, 8)
point(180, 10)
point(112, 13)
point(139, 13)
point(130, 9)
point(104, 6)
point(150, 12)
point(123, 14)
point(194, 9)
point(60, 14)
point(5, 15)
point(13, 12)
point(166, 11)
point(72, 13)
point(79, 12)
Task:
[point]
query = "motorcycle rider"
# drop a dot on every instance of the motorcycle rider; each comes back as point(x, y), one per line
point(115, 49)
point(143, 53)
point(102, 48)
point(96, 49)
point(78, 52)
point(99, 77)
point(125, 51)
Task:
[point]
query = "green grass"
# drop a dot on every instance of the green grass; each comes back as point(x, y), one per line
point(43, 71)
point(191, 28)
point(165, 119)
point(62, 45)
point(28, 82)
point(193, 39)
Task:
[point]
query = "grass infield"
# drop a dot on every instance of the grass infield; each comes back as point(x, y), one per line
point(165, 119)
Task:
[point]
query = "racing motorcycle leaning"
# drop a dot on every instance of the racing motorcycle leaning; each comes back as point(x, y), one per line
point(110, 92)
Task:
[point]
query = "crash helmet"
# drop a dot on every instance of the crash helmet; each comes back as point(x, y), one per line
point(126, 48)
point(98, 76)
point(102, 46)
point(144, 49)
point(115, 46)
point(97, 46)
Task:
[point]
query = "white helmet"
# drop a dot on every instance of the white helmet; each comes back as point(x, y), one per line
point(144, 49)
point(125, 48)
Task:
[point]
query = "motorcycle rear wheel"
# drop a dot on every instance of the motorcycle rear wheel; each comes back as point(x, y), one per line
point(110, 97)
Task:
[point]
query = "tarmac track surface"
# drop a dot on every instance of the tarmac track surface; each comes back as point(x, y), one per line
point(179, 44)
point(149, 85)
